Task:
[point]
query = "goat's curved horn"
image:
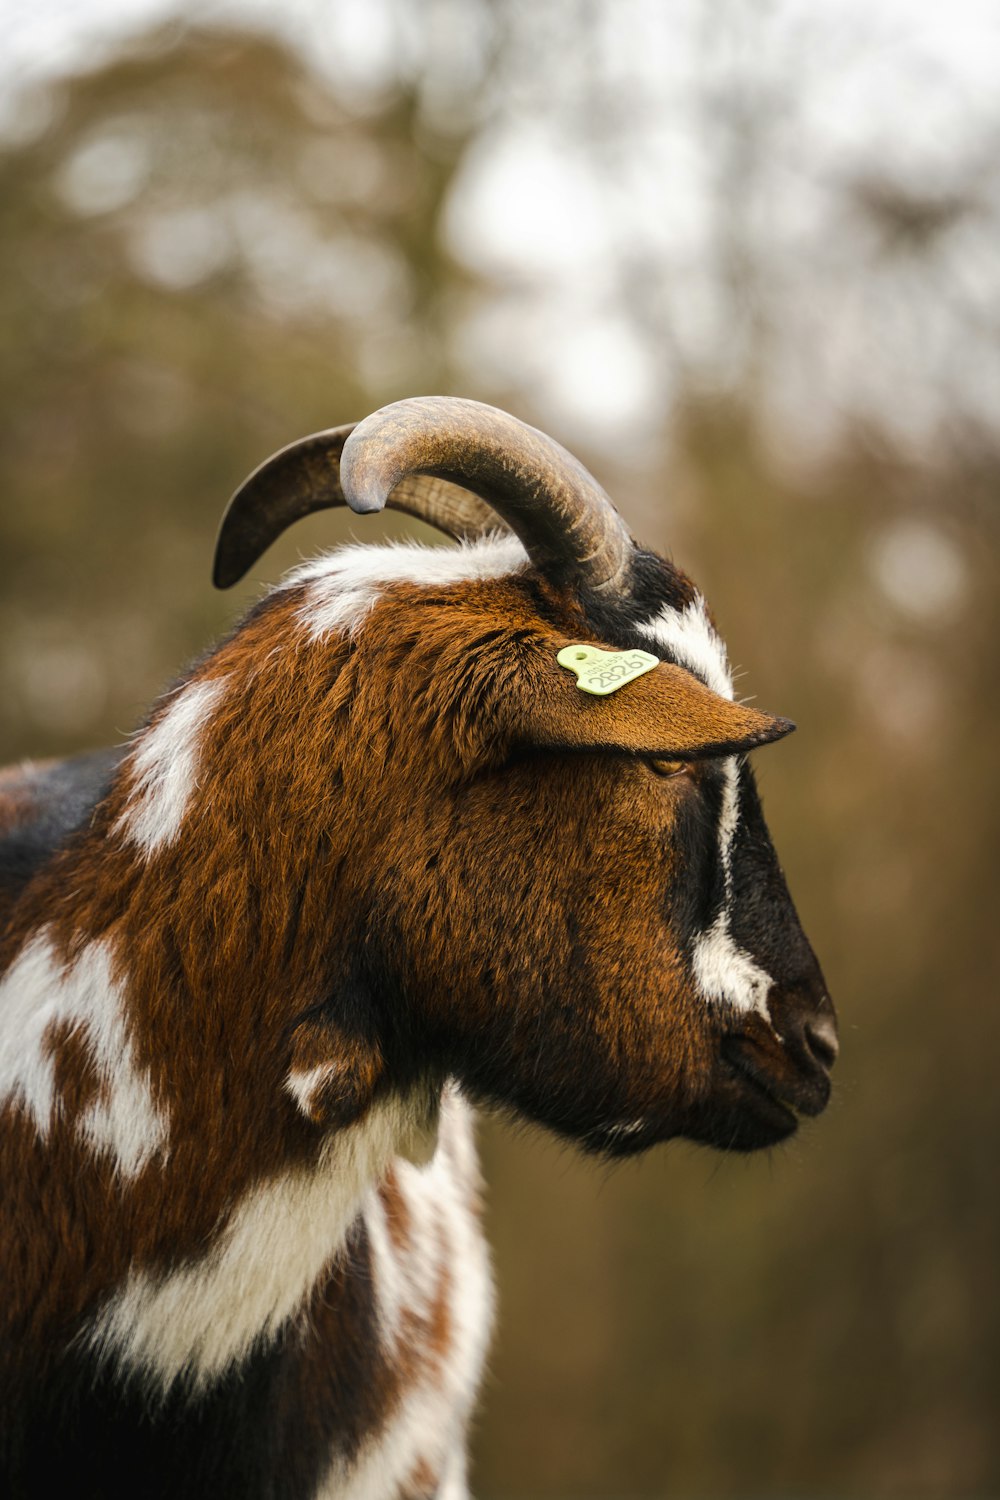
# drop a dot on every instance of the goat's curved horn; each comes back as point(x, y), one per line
point(567, 523)
point(305, 477)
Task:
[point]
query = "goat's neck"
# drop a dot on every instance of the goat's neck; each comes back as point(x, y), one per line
point(155, 971)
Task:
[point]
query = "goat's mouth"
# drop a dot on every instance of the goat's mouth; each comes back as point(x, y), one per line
point(778, 1088)
point(762, 1086)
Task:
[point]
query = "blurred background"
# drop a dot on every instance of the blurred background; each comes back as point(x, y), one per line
point(744, 258)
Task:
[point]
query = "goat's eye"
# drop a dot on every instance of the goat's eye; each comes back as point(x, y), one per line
point(668, 767)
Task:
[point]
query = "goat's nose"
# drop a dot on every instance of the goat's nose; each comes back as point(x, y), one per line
point(820, 1033)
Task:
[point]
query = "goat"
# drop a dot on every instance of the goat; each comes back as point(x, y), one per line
point(376, 859)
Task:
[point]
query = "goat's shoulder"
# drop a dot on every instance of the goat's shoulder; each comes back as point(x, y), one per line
point(42, 803)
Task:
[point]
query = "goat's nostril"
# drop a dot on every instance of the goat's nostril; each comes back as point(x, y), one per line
point(821, 1039)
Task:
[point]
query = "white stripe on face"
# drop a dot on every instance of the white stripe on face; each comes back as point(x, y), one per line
point(724, 972)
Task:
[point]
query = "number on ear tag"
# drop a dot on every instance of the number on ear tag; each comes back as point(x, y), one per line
point(602, 672)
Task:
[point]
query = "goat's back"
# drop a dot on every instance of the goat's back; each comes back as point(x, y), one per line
point(42, 803)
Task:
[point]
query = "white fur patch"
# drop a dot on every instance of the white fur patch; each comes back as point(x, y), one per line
point(164, 768)
point(38, 995)
point(444, 1238)
point(726, 972)
point(454, 1483)
point(303, 1084)
point(344, 585)
point(197, 1321)
point(687, 635)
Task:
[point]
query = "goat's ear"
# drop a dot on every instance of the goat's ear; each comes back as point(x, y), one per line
point(666, 712)
point(333, 1077)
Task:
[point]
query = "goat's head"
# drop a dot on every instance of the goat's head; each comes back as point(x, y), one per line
point(570, 902)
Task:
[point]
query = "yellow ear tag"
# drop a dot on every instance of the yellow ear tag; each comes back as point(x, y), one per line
point(602, 672)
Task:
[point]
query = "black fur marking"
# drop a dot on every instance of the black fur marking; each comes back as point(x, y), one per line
point(693, 903)
point(655, 582)
point(367, 1005)
point(763, 920)
point(65, 795)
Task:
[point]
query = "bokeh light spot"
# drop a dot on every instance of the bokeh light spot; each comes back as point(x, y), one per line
point(918, 569)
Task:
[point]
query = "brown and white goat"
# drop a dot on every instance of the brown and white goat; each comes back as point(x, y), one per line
point(375, 859)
